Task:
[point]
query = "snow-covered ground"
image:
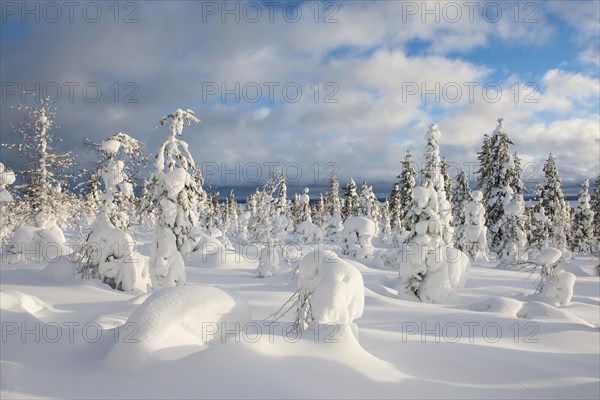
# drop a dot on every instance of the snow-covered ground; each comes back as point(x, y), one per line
point(71, 338)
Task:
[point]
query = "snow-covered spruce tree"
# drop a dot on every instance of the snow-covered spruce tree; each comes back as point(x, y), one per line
point(497, 174)
point(280, 212)
point(318, 215)
point(333, 220)
point(596, 223)
point(146, 212)
point(385, 228)
point(8, 220)
point(511, 239)
point(213, 214)
point(356, 237)
point(231, 212)
point(332, 201)
point(538, 235)
point(485, 180)
point(175, 196)
point(108, 251)
point(350, 201)
point(447, 181)
point(406, 181)
point(47, 202)
point(369, 205)
point(305, 229)
point(126, 161)
point(305, 212)
point(432, 173)
point(473, 233)
point(517, 184)
point(582, 229)
point(461, 197)
point(395, 211)
point(557, 210)
point(93, 195)
point(261, 226)
point(295, 212)
point(596, 209)
point(430, 269)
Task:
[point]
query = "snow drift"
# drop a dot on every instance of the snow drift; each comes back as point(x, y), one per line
point(189, 308)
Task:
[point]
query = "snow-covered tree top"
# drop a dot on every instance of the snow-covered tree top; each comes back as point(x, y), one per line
point(42, 120)
point(477, 195)
point(110, 146)
point(177, 119)
point(173, 149)
point(433, 134)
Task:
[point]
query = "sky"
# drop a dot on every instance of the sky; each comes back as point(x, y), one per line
point(313, 88)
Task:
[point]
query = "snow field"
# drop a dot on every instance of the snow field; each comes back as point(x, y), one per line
point(506, 341)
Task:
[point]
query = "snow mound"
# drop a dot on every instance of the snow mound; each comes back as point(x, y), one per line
point(209, 250)
point(30, 243)
point(498, 305)
point(540, 310)
point(308, 232)
point(188, 308)
point(59, 271)
point(21, 302)
point(336, 287)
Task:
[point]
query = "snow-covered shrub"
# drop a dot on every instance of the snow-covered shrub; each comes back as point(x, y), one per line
point(331, 290)
point(175, 195)
point(110, 254)
point(356, 237)
point(268, 262)
point(109, 251)
point(307, 232)
point(556, 286)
